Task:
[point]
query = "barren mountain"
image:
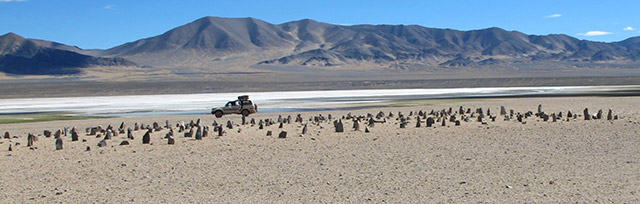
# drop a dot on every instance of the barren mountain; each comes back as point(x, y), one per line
point(38, 57)
point(214, 43)
point(310, 43)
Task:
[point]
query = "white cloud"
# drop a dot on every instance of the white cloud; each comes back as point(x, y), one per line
point(554, 15)
point(595, 33)
point(628, 28)
point(108, 7)
point(13, 0)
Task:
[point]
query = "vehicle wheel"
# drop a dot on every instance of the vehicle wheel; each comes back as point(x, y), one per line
point(218, 114)
point(245, 112)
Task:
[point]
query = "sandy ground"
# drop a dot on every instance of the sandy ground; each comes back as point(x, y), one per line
point(593, 161)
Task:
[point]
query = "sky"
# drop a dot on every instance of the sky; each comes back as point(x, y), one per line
point(102, 24)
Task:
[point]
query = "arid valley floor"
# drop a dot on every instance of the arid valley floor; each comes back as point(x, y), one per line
point(575, 160)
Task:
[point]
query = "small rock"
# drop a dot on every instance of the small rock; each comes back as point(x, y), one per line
point(282, 134)
point(58, 143)
point(124, 142)
point(102, 143)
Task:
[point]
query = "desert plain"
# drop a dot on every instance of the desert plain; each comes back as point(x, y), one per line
point(534, 161)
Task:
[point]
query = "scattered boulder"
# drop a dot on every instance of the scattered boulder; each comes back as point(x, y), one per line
point(129, 134)
point(146, 139)
point(171, 140)
point(304, 129)
point(74, 134)
point(282, 134)
point(58, 143)
point(189, 133)
point(102, 143)
point(58, 133)
point(539, 108)
point(47, 133)
point(339, 126)
point(124, 142)
point(430, 121)
point(269, 133)
point(356, 125)
point(30, 139)
point(199, 133)
point(108, 135)
point(587, 116)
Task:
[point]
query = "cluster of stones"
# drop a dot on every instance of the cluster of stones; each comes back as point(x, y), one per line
point(198, 131)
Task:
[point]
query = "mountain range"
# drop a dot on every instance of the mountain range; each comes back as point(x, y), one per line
point(227, 43)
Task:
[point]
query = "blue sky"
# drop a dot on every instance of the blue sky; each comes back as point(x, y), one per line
point(107, 23)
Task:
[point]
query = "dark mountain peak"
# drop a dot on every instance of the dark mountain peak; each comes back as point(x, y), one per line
point(11, 36)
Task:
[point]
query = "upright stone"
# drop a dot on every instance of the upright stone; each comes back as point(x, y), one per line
point(269, 133)
point(58, 133)
point(280, 126)
point(587, 116)
point(7, 135)
point(171, 140)
point(366, 129)
point(74, 134)
point(339, 126)
point(356, 125)
point(610, 115)
point(199, 133)
point(30, 139)
point(457, 123)
point(430, 121)
point(129, 133)
point(503, 111)
point(220, 131)
point(47, 133)
point(229, 124)
point(189, 133)
point(539, 108)
point(304, 129)
point(444, 122)
point(418, 122)
point(599, 114)
point(243, 120)
point(58, 143)
point(108, 135)
point(146, 139)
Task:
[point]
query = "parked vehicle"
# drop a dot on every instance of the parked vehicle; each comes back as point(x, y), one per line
point(242, 106)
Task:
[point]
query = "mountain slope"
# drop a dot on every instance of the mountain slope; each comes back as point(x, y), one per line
point(231, 44)
point(38, 57)
point(217, 42)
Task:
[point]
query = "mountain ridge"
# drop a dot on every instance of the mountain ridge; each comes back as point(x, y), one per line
point(227, 43)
